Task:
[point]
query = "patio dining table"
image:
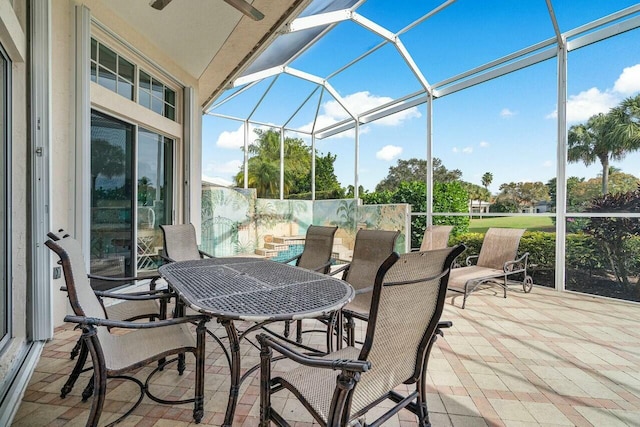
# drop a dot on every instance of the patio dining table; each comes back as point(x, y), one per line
point(254, 290)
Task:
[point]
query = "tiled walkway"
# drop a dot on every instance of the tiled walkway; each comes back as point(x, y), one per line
point(542, 358)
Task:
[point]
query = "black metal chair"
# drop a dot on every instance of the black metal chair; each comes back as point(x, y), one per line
point(131, 306)
point(316, 256)
point(114, 355)
point(371, 249)
point(180, 243)
point(408, 300)
point(318, 246)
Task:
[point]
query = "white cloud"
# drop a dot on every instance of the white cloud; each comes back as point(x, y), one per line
point(215, 169)
point(593, 101)
point(389, 152)
point(333, 112)
point(483, 144)
point(231, 139)
point(465, 150)
point(629, 81)
point(506, 113)
point(547, 164)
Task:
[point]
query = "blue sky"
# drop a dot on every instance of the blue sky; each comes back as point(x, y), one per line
point(505, 126)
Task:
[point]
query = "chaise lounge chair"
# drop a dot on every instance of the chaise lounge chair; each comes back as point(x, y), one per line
point(495, 264)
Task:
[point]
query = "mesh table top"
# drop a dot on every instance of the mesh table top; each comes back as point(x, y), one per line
point(255, 289)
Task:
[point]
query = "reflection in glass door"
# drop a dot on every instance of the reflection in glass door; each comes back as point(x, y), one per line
point(155, 190)
point(124, 167)
point(111, 197)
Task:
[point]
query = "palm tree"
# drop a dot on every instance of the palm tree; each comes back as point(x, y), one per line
point(487, 179)
point(606, 137)
point(264, 164)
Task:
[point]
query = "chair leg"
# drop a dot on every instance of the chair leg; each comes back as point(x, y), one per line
point(198, 406)
point(287, 328)
point(299, 331)
point(351, 331)
point(422, 410)
point(265, 390)
point(68, 386)
point(75, 350)
point(88, 390)
point(99, 375)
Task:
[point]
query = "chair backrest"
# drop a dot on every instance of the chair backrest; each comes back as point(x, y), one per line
point(499, 246)
point(436, 237)
point(318, 246)
point(180, 242)
point(371, 249)
point(81, 296)
point(408, 300)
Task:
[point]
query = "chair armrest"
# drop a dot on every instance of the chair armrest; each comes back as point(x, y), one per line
point(287, 261)
point(443, 324)
point(322, 267)
point(522, 262)
point(364, 290)
point(316, 362)
point(137, 296)
point(94, 321)
point(470, 259)
point(123, 279)
point(204, 254)
point(340, 270)
point(166, 258)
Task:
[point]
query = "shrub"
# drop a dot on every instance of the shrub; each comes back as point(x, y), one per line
point(447, 197)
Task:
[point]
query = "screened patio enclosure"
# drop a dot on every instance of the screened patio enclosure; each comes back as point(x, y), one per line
point(482, 86)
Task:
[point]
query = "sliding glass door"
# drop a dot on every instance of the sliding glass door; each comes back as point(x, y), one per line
point(131, 195)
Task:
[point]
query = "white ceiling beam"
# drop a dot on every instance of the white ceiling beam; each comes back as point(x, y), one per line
point(304, 76)
point(412, 65)
point(260, 75)
point(319, 20)
point(373, 27)
point(610, 31)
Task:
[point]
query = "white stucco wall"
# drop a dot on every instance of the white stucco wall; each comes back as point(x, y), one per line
point(12, 37)
point(63, 115)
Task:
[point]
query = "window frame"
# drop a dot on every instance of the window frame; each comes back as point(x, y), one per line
point(5, 195)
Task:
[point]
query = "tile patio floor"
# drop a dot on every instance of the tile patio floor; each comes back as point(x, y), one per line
point(542, 358)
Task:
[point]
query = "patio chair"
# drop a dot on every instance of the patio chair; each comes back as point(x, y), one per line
point(495, 264)
point(115, 355)
point(126, 308)
point(180, 243)
point(316, 256)
point(318, 246)
point(371, 249)
point(408, 300)
point(436, 237)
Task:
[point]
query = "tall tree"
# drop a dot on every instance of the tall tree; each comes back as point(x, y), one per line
point(523, 193)
point(487, 179)
point(606, 137)
point(264, 168)
point(416, 170)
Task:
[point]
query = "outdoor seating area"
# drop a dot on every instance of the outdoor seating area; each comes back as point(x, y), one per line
point(543, 358)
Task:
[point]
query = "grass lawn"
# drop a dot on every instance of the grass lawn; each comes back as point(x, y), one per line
point(530, 223)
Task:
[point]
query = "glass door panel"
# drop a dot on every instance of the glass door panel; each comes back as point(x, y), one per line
point(111, 197)
point(155, 190)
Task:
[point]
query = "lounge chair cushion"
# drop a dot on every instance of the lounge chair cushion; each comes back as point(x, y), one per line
point(459, 276)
